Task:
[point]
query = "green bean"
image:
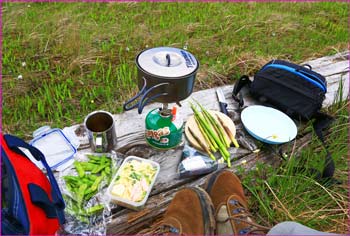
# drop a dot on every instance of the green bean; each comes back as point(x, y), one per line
point(79, 169)
point(96, 183)
point(80, 194)
point(88, 166)
point(107, 170)
point(92, 177)
point(94, 209)
point(89, 195)
point(92, 157)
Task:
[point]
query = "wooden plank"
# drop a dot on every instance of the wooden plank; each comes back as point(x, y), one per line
point(338, 88)
point(325, 65)
point(125, 222)
point(130, 222)
point(130, 135)
point(130, 125)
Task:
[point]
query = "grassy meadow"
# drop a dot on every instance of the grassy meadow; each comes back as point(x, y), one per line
point(60, 61)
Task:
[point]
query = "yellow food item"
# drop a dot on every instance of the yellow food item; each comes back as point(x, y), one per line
point(134, 180)
point(118, 189)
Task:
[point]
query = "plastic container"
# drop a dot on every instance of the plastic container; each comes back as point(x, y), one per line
point(126, 202)
point(55, 145)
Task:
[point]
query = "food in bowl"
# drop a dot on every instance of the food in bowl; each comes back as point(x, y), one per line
point(134, 180)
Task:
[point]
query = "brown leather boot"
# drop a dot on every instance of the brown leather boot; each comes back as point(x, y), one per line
point(190, 212)
point(230, 204)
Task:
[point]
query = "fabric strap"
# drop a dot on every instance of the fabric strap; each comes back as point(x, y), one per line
point(321, 122)
point(238, 97)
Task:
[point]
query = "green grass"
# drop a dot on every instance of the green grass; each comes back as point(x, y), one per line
point(284, 194)
point(80, 57)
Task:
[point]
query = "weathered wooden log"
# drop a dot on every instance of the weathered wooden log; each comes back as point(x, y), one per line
point(130, 134)
point(130, 222)
point(130, 125)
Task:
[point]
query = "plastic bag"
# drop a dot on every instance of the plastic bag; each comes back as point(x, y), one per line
point(96, 222)
point(195, 163)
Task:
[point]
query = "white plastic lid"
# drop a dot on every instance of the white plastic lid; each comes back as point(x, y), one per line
point(55, 146)
point(167, 62)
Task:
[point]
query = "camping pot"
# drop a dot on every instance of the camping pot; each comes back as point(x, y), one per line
point(165, 75)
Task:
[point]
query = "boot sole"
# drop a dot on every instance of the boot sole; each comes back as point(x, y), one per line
point(207, 211)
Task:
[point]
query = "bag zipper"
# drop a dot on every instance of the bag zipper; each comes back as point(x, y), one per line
point(314, 80)
point(290, 87)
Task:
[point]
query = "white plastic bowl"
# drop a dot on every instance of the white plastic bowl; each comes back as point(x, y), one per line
point(268, 124)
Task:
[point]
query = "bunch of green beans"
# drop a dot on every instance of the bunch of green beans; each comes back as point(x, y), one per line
point(91, 175)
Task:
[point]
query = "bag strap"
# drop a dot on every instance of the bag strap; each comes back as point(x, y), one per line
point(243, 81)
point(325, 176)
point(14, 144)
point(321, 122)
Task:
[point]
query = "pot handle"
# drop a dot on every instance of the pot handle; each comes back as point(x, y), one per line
point(127, 105)
point(143, 101)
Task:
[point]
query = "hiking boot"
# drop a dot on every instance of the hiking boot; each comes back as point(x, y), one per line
point(190, 212)
point(230, 205)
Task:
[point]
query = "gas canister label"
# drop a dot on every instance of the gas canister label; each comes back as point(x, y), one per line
point(157, 134)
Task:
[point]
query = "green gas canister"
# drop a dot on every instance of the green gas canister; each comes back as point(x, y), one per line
point(163, 128)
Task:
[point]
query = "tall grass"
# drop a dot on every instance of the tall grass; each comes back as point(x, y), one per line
point(80, 56)
point(291, 193)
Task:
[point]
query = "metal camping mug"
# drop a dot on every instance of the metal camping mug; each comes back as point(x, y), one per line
point(101, 131)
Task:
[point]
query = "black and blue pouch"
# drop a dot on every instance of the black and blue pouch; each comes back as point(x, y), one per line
point(296, 90)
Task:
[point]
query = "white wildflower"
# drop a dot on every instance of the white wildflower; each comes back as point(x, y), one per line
point(20, 77)
point(24, 64)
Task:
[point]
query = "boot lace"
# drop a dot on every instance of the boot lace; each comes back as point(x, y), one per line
point(242, 215)
point(160, 229)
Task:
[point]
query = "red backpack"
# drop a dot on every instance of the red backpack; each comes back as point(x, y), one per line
point(31, 202)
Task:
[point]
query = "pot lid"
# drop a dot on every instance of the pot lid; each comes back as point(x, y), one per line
point(167, 62)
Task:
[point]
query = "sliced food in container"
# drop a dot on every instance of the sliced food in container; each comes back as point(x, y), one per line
point(133, 182)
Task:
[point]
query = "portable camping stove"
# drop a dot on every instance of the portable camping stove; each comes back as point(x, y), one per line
point(163, 128)
point(165, 75)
